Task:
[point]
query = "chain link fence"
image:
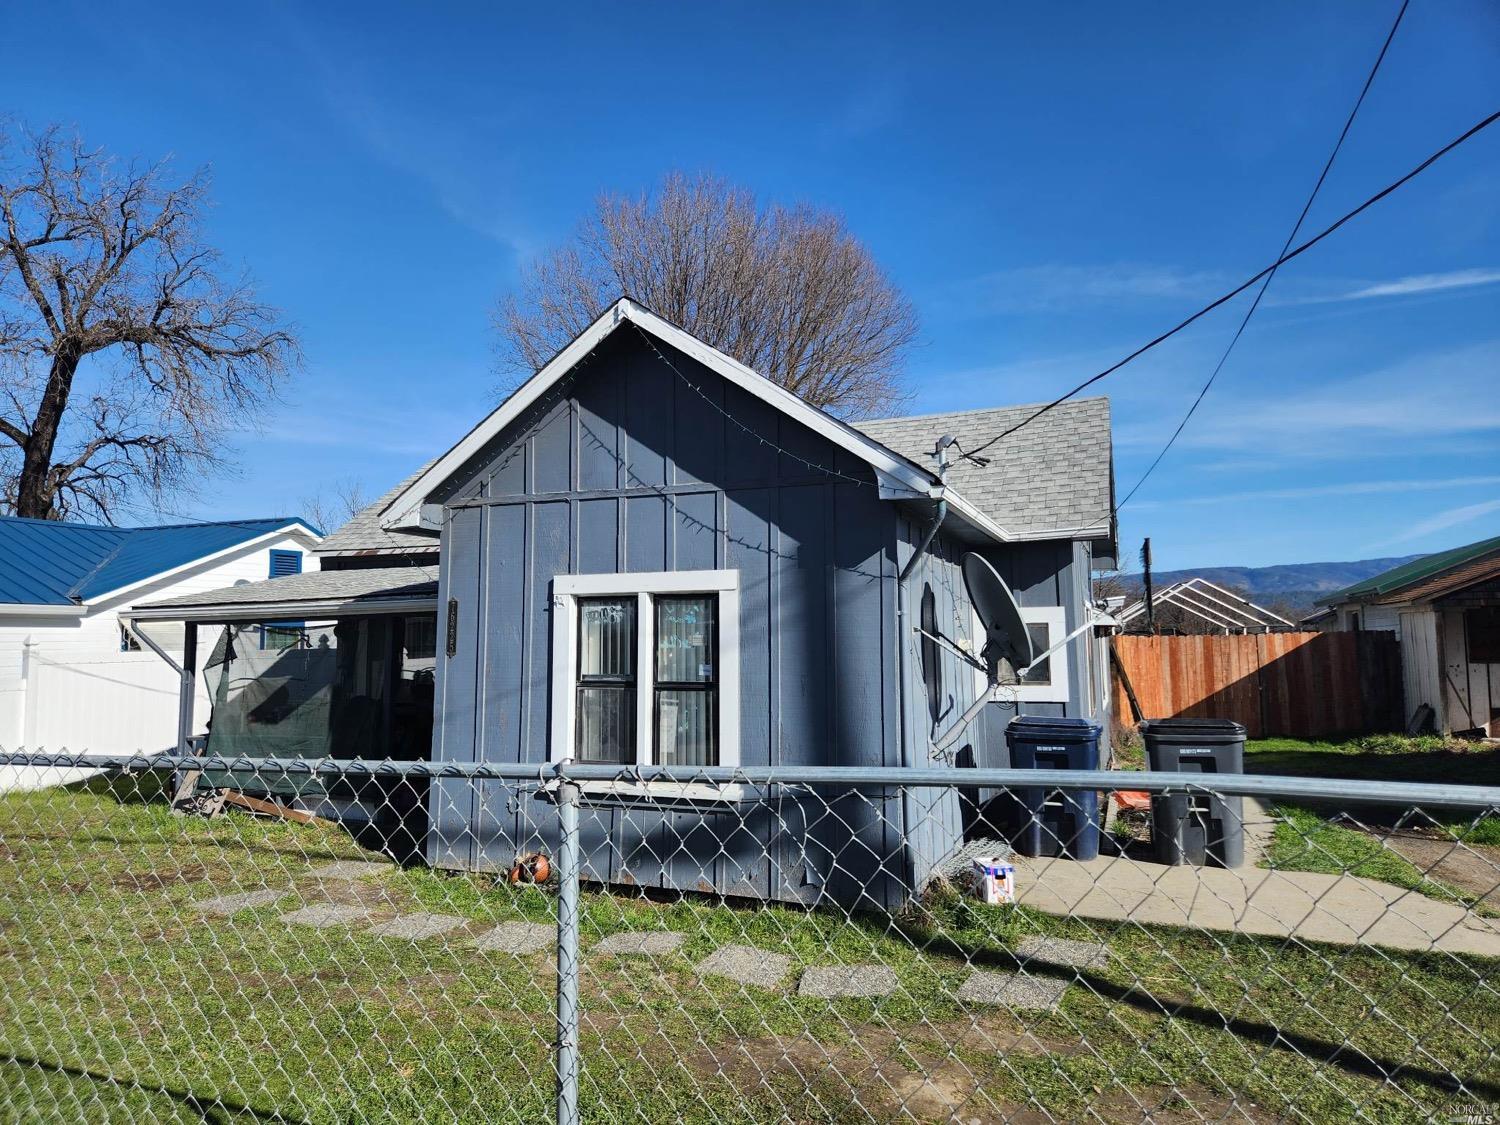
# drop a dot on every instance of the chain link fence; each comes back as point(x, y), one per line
point(194, 939)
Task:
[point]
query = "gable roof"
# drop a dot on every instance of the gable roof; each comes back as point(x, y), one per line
point(897, 476)
point(49, 562)
point(1209, 602)
point(363, 534)
point(1419, 572)
point(1052, 479)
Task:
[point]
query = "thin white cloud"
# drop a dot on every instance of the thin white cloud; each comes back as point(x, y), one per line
point(434, 148)
point(1347, 488)
point(1056, 286)
point(1452, 517)
point(1426, 283)
point(1293, 291)
point(1434, 398)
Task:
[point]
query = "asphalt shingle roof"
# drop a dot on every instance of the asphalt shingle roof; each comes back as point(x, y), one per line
point(363, 535)
point(1054, 475)
point(50, 562)
point(316, 586)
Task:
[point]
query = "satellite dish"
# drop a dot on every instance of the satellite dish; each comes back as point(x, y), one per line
point(1006, 637)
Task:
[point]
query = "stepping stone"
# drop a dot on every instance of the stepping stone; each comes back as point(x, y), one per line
point(830, 982)
point(325, 915)
point(348, 869)
point(639, 943)
point(415, 927)
point(518, 938)
point(1062, 951)
point(233, 904)
point(1014, 990)
point(746, 964)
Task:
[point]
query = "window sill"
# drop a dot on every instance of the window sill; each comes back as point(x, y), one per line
point(662, 795)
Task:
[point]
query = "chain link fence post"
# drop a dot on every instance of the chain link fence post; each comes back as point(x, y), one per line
point(567, 953)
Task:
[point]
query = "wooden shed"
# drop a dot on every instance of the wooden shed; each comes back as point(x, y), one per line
point(1446, 609)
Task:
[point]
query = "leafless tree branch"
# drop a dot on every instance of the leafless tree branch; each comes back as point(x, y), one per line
point(125, 353)
point(787, 291)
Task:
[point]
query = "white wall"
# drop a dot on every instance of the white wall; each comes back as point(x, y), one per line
point(1472, 690)
point(74, 689)
point(1421, 671)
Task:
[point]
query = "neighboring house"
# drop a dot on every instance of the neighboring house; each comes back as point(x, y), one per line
point(651, 554)
point(1446, 609)
point(71, 675)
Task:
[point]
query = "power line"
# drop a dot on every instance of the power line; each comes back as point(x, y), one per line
point(1266, 284)
point(1237, 290)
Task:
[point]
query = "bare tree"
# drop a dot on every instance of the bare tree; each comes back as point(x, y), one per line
point(125, 354)
point(330, 512)
point(787, 291)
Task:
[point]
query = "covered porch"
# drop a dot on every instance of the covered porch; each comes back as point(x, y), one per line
point(326, 664)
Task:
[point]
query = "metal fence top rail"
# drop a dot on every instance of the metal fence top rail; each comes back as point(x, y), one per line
point(860, 777)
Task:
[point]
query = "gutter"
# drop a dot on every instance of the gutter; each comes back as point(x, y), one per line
point(47, 609)
point(903, 630)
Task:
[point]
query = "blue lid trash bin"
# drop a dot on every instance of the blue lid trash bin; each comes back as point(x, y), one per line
point(1205, 829)
point(1060, 822)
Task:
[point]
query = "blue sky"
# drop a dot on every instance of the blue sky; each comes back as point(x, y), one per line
point(1052, 186)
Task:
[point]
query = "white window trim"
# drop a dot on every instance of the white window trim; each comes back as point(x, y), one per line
point(1058, 691)
point(568, 588)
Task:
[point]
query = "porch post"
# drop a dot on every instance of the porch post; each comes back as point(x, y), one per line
point(187, 686)
point(184, 780)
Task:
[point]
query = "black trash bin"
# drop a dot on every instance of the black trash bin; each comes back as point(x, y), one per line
point(1197, 828)
point(1062, 822)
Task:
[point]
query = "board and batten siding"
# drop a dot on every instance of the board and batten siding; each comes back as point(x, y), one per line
point(1049, 573)
point(628, 466)
point(1421, 662)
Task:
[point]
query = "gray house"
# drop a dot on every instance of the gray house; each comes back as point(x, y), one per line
point(650, 554)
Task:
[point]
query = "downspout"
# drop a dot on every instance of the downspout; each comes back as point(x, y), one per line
point(903, 631)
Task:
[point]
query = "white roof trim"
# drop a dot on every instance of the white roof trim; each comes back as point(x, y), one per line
point(41, 609)
point(293, 529)
point(897, 477)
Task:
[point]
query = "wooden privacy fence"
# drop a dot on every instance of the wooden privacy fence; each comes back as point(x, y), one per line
point(1301, 685)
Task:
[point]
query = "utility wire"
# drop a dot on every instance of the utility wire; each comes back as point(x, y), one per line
point(1266, 284)
point(1237, 290)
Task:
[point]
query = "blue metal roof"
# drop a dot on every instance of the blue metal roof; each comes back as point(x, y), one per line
point(48, 562)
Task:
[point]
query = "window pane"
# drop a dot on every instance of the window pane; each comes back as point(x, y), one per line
point(278, 637)
point(606, 628)
point(1041, 641)
point(606, 723)
point(419, 636)
point(685, 640)
point(685, 727)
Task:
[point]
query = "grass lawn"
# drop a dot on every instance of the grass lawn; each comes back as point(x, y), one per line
point(1378, 757)
point(120, 1002)
point(1311, 838)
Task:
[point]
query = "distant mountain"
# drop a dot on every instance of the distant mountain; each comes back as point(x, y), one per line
point(1298, 585)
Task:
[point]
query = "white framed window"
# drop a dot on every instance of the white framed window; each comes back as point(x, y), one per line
point(646, 668)
point(1047, 681)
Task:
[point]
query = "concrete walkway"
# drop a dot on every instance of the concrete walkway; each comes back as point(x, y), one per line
point(1342, 909)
